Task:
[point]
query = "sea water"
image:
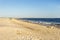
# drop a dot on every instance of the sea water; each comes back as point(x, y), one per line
point(42, 20)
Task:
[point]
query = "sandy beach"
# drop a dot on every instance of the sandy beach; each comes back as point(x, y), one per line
point(13, 29)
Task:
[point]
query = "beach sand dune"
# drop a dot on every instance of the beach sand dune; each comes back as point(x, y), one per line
point(12, 29)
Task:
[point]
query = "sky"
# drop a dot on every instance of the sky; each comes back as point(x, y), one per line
point(30, 8)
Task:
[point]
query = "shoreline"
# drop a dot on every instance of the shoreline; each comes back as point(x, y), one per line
point(47, 24)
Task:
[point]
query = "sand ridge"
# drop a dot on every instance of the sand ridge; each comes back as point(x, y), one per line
point(12, 29)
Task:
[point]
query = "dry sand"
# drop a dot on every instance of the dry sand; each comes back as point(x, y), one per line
point(12, 29)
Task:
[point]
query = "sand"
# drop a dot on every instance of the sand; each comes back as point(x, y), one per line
point(12, 29)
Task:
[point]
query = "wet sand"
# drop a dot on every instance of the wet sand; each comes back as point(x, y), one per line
point(12, 29)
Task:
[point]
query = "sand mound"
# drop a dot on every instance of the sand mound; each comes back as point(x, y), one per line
point(11, 29)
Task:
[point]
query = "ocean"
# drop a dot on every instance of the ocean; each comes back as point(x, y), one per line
point(42, 20)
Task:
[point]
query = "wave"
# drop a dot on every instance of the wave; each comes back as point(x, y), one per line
point(43, 22)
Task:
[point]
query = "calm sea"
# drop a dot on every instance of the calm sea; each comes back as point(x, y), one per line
point(42, 20)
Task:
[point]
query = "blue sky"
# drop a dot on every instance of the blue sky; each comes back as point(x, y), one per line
point(30, 8)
